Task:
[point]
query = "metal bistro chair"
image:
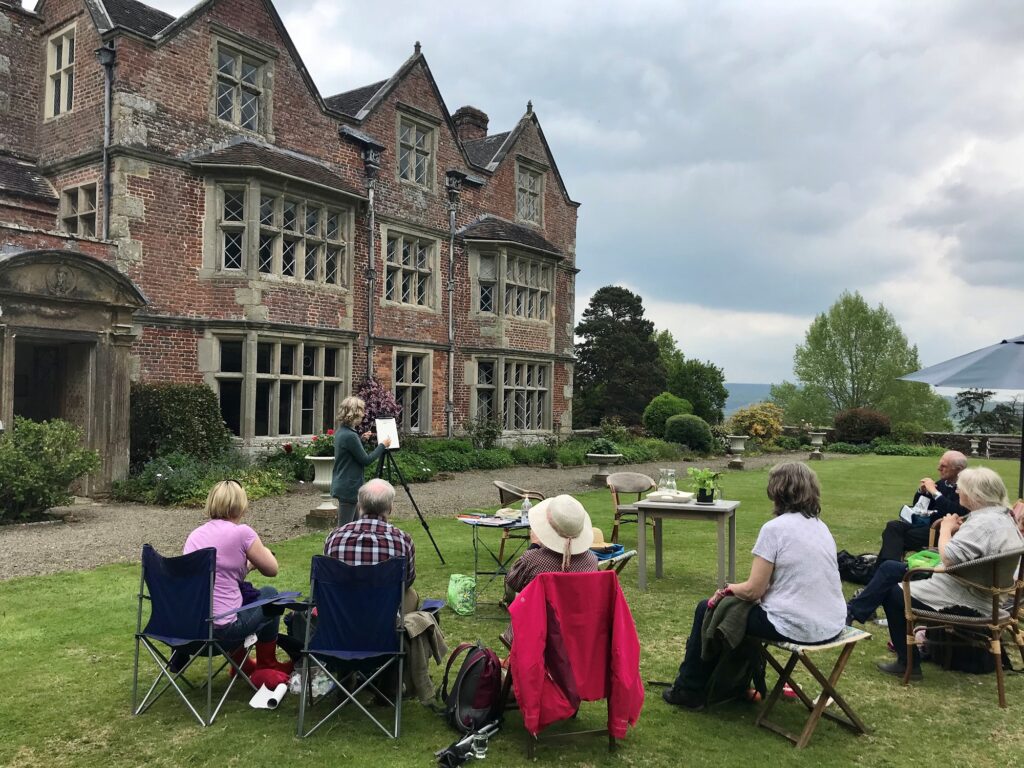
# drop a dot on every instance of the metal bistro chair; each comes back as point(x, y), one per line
point(626, 483)
point(509, 494)
point(180, 593)
point(359, 628)
point(999, 576)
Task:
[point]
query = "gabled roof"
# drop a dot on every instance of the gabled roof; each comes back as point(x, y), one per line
point(135, 16)
point(482, 151)
point(20, 178)
point(351, 102)
point(494, 230)
point(264, 158)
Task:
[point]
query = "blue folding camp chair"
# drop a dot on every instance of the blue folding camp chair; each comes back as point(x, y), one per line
point(359, 628)
point(180, 593)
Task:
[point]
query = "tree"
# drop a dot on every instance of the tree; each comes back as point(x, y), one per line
point(854, 355)
point(618, 366)
point(1003, 418)
point(702, 384)
point(801, 405)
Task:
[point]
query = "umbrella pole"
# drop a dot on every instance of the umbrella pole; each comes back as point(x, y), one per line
point(1020, 480)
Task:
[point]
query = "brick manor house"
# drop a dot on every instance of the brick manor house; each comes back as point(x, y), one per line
point(179, 203)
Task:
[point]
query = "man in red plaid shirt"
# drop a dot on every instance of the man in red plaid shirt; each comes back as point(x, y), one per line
point(371, 539)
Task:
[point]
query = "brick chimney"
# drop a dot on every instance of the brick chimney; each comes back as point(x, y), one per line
point(470, 123)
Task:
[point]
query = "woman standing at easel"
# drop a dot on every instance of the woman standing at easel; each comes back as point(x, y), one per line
point(350, 458)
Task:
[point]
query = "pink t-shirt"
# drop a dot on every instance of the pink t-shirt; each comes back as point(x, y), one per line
point(232, 541)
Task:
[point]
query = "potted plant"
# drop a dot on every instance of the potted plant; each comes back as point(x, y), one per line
point(321, 455)
point(704, 482)
point(604, 453)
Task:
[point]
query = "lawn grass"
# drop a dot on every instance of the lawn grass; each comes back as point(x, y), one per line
point(66, 655)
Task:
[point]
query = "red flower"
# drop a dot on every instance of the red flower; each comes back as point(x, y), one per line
point(287, 447)
point(330, 431)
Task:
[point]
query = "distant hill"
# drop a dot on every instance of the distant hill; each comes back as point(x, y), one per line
point(742, 395)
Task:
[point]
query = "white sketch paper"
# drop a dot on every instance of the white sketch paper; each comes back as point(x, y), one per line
point(388, 428)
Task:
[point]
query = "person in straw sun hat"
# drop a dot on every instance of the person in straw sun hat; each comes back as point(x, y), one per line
point(560, 540)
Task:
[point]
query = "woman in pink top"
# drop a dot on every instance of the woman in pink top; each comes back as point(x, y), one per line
point(239, 550)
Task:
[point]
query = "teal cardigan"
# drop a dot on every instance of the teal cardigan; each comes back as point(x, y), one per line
point(349, 460)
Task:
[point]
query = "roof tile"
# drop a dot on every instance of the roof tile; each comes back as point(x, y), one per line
point(482, 151)
point(137, 16)
point(350, 102)
point(491, 228)
point(21, 178)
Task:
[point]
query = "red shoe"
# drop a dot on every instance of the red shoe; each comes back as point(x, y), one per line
point(788, 692)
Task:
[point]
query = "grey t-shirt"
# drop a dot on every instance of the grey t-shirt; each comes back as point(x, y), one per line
point(987, 531)
point(804, 600)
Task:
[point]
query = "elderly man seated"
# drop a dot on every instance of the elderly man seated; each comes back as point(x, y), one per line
point(900, 536)
point(371, 539)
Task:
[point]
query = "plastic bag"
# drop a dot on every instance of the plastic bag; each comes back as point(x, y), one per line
point(462, 594)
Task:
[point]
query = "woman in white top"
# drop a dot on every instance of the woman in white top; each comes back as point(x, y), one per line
point(794, 581)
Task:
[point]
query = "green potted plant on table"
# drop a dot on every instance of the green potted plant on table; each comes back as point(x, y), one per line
point(704, 482)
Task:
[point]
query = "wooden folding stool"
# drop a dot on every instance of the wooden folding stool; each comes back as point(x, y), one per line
point(801, 653)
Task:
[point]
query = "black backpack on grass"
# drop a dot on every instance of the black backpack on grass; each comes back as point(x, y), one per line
point(475, 694)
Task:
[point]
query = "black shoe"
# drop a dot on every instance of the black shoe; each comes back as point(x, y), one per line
point(897, 669)
point(871, 617)
point(687, 699)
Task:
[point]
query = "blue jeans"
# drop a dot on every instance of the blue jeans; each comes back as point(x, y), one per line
point(247, 622)
point(885, 590)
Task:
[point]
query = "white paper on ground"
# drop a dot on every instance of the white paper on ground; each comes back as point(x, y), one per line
point(265, 698)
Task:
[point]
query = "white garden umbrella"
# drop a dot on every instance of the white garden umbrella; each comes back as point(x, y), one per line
point(999, 366)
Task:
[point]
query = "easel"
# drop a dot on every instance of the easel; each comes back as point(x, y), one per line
point(387, 462)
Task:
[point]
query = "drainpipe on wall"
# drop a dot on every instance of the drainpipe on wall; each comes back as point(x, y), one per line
point(371, 163)
point(107, 55)
point(454, 184)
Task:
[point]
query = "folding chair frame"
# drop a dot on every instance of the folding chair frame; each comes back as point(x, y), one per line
point(208, 647)
point(367, 682)
point(617, 563)
point(800, 654)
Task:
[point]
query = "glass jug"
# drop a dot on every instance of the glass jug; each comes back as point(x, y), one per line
point(667, 480)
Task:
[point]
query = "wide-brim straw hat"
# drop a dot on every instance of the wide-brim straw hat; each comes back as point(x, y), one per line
point(599, 543)
point(559, 520)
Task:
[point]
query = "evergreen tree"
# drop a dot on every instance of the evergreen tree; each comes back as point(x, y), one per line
point(618, 368)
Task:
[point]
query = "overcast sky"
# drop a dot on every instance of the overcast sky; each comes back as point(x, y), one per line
point(740, 164)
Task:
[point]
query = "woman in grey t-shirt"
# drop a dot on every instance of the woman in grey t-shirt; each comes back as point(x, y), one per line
point(794, 581)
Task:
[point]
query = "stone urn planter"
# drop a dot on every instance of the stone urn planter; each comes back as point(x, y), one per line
point(325, 515)
point(737, 445)
point(817, 441)
point(603, 461)
point(975, 442)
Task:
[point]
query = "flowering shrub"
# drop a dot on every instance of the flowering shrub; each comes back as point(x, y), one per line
point(320, 445)
point(380, 404)
point(761, 421)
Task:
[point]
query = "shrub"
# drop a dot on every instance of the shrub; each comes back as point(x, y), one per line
point(429, 447)
point(603, 445)
point(415, 468)
point(898, 449)
point(860, 425)
point(290, 461)
point(908, 433)
point(535, 454)
point(483, 433)
point(689, 430)
point(38, 462)
point(661, 409)
point(788, 443)
point(613, 429)
point(841, 447)
point(449, 461)
point(176, 418)
point(493, 458)
point(573, 453)
point(637, 452)
point(380, 404)
point(761, 421)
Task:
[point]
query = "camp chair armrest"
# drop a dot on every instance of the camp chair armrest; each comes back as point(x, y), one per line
point(283, 597)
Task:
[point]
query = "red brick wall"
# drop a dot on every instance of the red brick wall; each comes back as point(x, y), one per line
point(20, 79)
point(20, 238)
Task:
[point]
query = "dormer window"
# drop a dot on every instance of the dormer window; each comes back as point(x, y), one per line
point(240, 97)
point(60, 72)
point(415, 152)
point(529, 194)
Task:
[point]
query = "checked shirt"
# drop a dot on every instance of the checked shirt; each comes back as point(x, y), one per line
point(369, 541)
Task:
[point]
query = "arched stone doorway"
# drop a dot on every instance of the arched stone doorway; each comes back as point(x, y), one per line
point(65, 339)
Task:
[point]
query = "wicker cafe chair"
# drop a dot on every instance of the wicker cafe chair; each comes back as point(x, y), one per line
point(998, 576)
point(509, 494)
point(627, 483)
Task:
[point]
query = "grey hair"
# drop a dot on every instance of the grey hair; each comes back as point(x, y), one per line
point(984, 486)
point(957, 459)
point(376, 497)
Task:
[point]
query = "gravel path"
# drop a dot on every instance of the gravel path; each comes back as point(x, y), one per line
point(97, 533)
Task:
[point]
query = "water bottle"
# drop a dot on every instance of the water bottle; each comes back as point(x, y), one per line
point(525, 518)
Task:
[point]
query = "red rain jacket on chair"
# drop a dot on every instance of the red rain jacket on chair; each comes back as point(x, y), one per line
point(574, 639)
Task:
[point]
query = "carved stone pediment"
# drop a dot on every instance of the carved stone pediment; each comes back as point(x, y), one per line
point(67, 276)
